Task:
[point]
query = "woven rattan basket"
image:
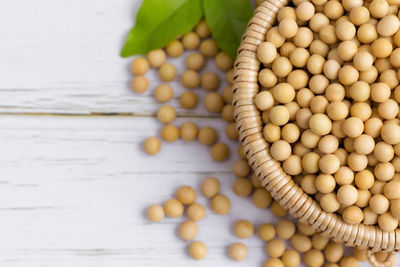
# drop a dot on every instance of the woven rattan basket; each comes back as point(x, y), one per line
point(282, 187)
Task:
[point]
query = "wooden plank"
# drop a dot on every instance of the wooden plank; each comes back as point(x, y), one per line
point(63, 57)
point(74, 189)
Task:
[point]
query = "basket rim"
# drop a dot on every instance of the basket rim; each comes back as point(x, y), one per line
point(269, 171)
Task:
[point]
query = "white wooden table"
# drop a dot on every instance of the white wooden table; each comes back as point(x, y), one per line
point(74, 181)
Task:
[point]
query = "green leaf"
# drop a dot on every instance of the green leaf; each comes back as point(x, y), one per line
point(160, 21)
point(228, 21)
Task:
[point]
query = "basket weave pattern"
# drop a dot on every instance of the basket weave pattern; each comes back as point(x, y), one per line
point(281, 186)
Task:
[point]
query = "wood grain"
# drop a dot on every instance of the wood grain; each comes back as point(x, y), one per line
point(63, 57)
point(74, 191)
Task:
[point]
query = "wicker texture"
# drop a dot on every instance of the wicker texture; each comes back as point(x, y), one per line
point(273, 178)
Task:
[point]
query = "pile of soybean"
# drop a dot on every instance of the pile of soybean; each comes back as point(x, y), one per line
point(316, 250)
point(330, 103)
point(285, 243)
point(204, 48)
